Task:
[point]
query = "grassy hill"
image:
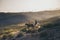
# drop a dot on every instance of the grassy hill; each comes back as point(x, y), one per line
point(10, 25)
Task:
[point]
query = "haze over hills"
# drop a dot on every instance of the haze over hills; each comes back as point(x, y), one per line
point(14, 18)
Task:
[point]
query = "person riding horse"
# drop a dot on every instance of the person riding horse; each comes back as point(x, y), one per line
point(31, 24)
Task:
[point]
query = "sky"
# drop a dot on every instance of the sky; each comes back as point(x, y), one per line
point(28, 5)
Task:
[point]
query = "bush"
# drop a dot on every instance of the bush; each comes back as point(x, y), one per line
point(19, 35)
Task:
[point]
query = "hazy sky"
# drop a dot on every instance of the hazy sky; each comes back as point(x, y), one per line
point(28, 5)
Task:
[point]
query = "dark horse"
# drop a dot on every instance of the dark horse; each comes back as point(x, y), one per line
point(31, 25)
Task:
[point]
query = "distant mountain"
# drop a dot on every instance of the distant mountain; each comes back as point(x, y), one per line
point(14, 18)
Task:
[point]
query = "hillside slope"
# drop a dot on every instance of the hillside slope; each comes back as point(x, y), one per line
point(50, 28)
point(49, 31)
